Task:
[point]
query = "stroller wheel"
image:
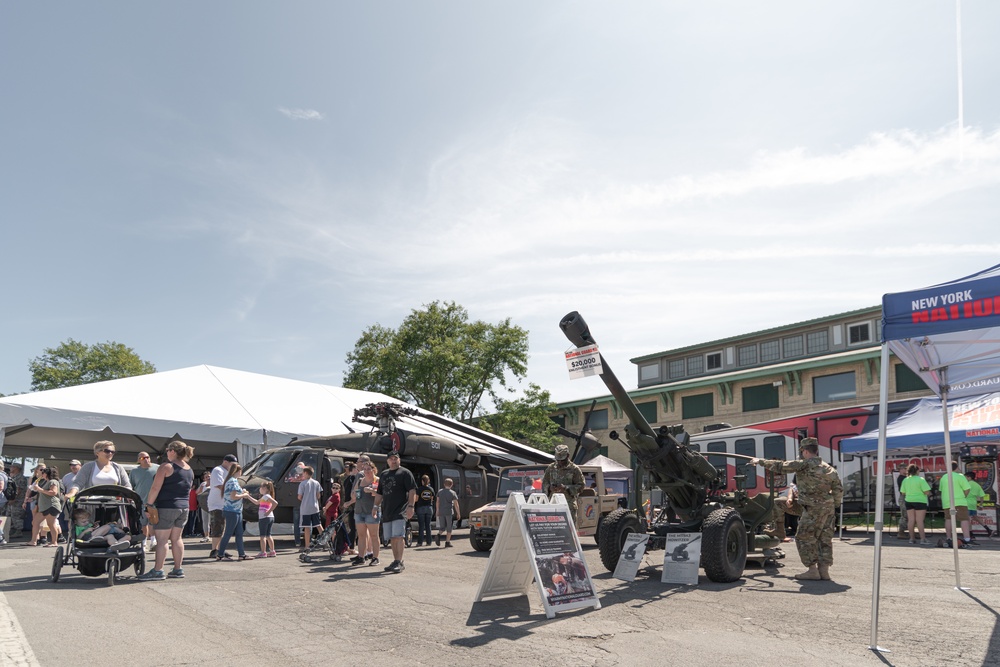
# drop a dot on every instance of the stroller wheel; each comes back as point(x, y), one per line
point(57, 563)
point(113, 566)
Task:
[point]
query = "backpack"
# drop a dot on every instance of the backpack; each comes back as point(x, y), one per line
point(9, 488)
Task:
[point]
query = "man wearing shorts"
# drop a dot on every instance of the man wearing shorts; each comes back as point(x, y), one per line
point(216, 503)
point(396, 495)
point(962, 489)
point(447, 511)
point(975, 500)
point(309, 493)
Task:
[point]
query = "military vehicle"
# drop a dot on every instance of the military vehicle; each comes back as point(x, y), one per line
point(466, 455)
point(695, 495)
point(597, 499)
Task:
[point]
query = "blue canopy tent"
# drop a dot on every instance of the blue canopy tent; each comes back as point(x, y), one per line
point(975, 419)
point(949, 334)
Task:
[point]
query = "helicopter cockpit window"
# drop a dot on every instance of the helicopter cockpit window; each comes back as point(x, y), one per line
point(474, 483)
point(271, 465)
point(306, 457)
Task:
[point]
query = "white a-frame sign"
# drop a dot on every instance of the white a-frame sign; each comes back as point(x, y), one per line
point(537, 541)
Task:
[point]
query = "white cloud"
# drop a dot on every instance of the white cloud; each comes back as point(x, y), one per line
point(301, 114)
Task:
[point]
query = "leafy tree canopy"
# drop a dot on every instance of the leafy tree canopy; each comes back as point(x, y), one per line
point(73, 363)
point(439, 360)
point(525, 420)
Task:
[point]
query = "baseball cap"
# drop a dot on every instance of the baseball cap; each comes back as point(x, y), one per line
point(74, 462)
point(231, 458)
point(392, 454)
point(562, 452)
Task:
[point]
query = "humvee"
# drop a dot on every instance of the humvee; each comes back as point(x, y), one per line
point(598, 498)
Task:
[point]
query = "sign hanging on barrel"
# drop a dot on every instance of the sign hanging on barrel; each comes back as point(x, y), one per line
point(583, 362)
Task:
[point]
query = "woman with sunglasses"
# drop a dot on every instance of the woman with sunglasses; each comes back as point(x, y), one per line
point(100, 471)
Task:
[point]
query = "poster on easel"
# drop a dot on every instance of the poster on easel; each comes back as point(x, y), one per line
point(537, 541)
point(681, 558)
point(631, 556)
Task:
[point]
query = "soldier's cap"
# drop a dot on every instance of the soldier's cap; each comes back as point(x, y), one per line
point(562, 452)
point(805, 442)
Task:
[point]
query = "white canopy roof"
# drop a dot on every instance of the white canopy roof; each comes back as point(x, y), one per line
point(216, 410)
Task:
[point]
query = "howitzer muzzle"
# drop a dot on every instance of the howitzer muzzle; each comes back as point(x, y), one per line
point(576, 329)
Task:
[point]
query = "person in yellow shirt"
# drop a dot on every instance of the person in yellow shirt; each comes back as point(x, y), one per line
point(975, 500)
point(915, 490)
point(962, 489)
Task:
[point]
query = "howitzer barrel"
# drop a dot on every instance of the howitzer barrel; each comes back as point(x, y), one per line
point(578, 333)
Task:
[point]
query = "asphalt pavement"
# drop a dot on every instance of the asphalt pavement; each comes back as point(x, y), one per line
point(280, 611)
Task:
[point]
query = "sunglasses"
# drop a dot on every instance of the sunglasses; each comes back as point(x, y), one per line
point(108, 451)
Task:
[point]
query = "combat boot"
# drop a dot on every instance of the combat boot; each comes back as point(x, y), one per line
point(824, 572)
point(812, 574)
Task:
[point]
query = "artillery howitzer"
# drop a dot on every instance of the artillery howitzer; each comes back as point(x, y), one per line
point(696, 499)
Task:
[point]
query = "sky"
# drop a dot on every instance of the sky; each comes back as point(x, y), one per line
point(253, 184)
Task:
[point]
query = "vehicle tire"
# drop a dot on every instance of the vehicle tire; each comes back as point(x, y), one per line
point(139, 564)
point(616, 528)
point(480, 543)
point(724, 545)
point(597, 533)
point(57, 563)
point(113, 565)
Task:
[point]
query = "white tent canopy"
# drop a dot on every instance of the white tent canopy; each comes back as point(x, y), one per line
point(216, 410)
point(949, 334)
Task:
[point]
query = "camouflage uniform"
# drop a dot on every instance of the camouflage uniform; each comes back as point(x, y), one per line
point(781, 507)
point(14, 509)
point(820, 492)
point(568, 475)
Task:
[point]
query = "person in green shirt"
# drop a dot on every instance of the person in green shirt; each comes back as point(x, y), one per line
point(915, 490)
point(975, 500)
point(962, 489)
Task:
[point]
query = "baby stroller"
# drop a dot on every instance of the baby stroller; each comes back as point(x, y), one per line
point(332, 539)
point(93, 557)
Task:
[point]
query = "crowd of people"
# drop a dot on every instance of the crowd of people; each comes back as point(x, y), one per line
point(361, 502)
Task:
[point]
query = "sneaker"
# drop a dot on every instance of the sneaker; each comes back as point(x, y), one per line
point(911, 541)
point(118, 546)
point(152, 575)
point(925, 541)
point(262, 554)
point(272, 554)
point(213, 553)
point(420, 544)
point(448, 545)
point(369, 556)
point(439, 540)
point(357, 560)
point(373, 561)
point(396, 567)
point(390, 566)
point(176, 573)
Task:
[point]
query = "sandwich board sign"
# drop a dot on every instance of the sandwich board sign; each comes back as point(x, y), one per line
point(537, 541)
point(631, 556)
point(681, 558)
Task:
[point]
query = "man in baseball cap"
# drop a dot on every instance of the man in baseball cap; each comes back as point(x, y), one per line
point(216, 519)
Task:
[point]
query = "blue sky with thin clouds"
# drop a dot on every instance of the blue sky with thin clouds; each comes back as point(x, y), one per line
point(250, 184)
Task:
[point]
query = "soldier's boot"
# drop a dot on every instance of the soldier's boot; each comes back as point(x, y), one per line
point(824, 572)
point(812, 574)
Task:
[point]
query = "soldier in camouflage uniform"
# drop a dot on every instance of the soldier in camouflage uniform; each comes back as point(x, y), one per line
point(820, 492)
point(565, 477)
point(15, 507)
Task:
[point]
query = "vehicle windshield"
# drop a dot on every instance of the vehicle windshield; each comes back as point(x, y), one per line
point(271, 464)
point(525, 480)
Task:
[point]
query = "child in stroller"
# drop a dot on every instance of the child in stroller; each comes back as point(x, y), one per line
point(85, 530)
point(334, 539)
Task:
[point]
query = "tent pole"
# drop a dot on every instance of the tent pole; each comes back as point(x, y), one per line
point(883, 418)
point(951, 479)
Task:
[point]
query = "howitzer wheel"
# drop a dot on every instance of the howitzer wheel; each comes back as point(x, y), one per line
point(724, 545)
point(615, 529)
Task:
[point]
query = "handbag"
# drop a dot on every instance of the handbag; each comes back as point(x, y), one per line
point(152, 514)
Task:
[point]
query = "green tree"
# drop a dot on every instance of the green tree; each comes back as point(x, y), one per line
point(439, 360)
point(525, 419)
point(73, 363)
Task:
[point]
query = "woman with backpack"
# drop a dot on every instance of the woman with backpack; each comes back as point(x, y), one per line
point(50, 500)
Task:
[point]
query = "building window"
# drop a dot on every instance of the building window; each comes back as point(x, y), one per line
point(648, 411)
point(746, 447)
point(907, 380)
point(717, 461)
point(649, 372)
point(837, 387)
point(676, 368)
point(746, 355)
point(699, 405)
point(792, 346)
point(760, 397)
point(598, 419)
point(713, 362)
point(817, 341)
point(559, 419)
point(770, 351)
point(696, 365)
point(858, 334)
